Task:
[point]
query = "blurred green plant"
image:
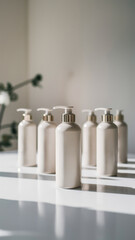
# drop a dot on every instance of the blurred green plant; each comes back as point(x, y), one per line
point(7, 95)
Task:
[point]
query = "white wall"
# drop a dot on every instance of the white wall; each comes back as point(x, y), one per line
point(86, 52)
point(84, 48)
point(13, 50)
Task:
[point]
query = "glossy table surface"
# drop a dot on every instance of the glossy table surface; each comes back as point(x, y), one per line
point(31, 207)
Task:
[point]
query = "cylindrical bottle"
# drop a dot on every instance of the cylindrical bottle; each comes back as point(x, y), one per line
point(46, 143)
point(68, 150)
point(89, 140)
point(122, 136)
point(26, 140)
point(107, 145)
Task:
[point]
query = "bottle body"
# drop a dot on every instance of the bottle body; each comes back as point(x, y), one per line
point(122, 141)
point(107, 149)
point(68, 155)
point(26, 144)
point(46, 147)
point(89, 144)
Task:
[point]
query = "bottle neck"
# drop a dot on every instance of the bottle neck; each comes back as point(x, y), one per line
point(92, 118)
point(48, 118)
point(107, 118)
point(27, 117)
point(68, 117)
point(119, 118)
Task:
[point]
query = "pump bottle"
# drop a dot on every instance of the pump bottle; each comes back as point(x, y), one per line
point(26, 140)
point(89, 139)
point(68, 150)
point(107, 145)
point(46, 142)
point(122, 136)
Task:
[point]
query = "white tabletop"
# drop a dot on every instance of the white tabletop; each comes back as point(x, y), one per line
point(31, 207)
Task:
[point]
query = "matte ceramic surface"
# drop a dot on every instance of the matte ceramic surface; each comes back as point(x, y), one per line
point(31, 207)
point(26, 143)
point(89, 143)
point(46, 147)
point(122, 141)
point(68, 155)
point(107, 149)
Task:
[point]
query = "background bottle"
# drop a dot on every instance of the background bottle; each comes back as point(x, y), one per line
point(26, 140)
point(89, 139)
point(107, 145)
point(122, 136)
point(68, 150)
point(46, 142)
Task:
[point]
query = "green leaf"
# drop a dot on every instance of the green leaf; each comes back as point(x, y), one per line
point(14, 128)
point(2, 87)
point(9, 87)
point(13, 96)
point(1, 149)
point(6, 143)
point(6, 137)
point(6, 140)
point(37, 80)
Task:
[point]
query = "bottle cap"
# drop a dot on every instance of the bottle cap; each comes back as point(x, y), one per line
point(119, 116)
point(26, 115)
point(107, 116)
point(47, 116)
point(68, 116)
point(91, 116)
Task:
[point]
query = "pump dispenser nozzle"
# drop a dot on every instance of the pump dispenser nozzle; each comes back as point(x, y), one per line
point(27, 116)
point(91, 115)
point(119, 111)
point(107, 116)
point(47, 116)
point(119, 116)
point(68, 116)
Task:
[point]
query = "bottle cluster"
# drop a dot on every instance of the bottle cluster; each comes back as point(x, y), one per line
point(63, 149)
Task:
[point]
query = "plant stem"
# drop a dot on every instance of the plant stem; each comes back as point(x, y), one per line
point(22, 84)
point(3, 107)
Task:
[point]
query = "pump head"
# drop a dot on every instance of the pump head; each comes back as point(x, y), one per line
point(91, 115)
point(47, 116)
point(107, 116)
point(119, 111)
point(26, 115)
point(119, 116)
point(68, 116)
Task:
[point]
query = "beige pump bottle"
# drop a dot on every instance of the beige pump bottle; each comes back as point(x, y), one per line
point(122, 136)
point(89, 140)
point(68, 150)
point(46, 142)
point(26, 140)
point(107, 145)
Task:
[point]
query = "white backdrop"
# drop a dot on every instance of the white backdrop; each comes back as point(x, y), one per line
point(86, 52)
point(13, 52)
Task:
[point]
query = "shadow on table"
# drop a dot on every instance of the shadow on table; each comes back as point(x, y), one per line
point(126, 175)
point(126, 168)
point(29, 220)
point(107, 189)
point(103, 178)
point(28, 176)
point(131, 162)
